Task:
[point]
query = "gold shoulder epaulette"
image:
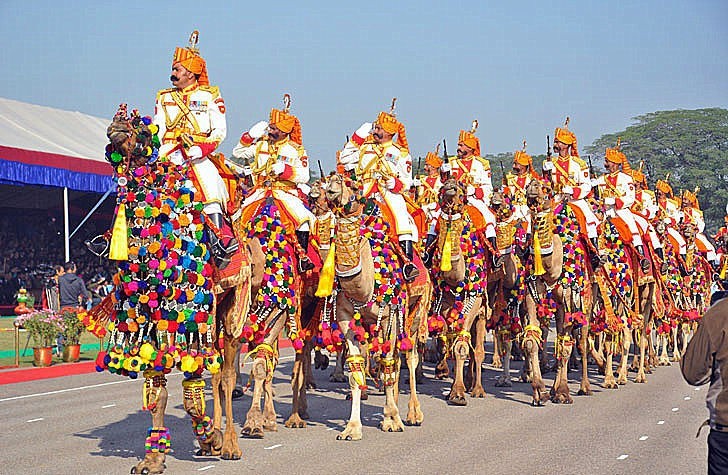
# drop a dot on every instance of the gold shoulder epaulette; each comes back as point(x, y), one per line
point(484, 161)
point(582, 163)
point(165, 91)
point(214, 90)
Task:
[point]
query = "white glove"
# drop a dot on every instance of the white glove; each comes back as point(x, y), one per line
point(194, 152)
point(416, 182)
point(471, 190)
point(364, 130)
point(349, 166)
point(247, 171)
point(594, 182)
point(258, 130)
point(547, 165)
point(176, 157)
point(567, 190)
point(609, 200)
point(304, 188)
point(277, 168)
point(391, 183)
point(445, 168)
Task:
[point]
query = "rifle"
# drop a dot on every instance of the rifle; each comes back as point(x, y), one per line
point(414, 188)
point(321, 170)
point(504, 178)
point(591, 174)
point(547, 173)
point(445, 160)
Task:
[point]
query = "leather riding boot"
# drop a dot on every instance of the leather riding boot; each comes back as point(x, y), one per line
point(222, 243)
point(594, 253)
point(304, 263)
point(494, 255)
point(644, 262)
point(660, 253)
point(428, 252)
point(409, 271)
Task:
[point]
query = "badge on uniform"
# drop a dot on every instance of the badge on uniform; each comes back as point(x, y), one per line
point(198, 106)
point(390, 158)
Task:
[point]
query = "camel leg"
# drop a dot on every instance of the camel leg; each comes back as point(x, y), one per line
point(208, 435)
point(641, 377)
point(442, 370)
point(531, 343)
point(585, 387)
point(622, 371)
point(664, 356)
point(686, 336)
point(477, 365)
point(227, 379)
point(355, 362)
point(504, 380)
point(609, 381)
point(461, 351)
point(298, 386)
point(158, 438)
point(676, 355)
point(543, 354)
point(560, 390)
point(392, 421)
point(337, 375)
point(414, 411)
point(269, 412)
point(253, 426)
point(497, 361)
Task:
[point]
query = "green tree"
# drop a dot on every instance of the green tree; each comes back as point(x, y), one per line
point(690, 145)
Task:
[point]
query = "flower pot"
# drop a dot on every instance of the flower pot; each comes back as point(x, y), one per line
point(42, 356)
point(71, 353)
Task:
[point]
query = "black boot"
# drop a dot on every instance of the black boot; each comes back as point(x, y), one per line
point(594, 253)
point(644, 262)
point(429, 252)
point(304, 263)
point(221, 248)
point(661, 255)
point(409, 270)
point(494, 256)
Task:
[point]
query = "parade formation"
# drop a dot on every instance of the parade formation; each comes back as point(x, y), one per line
point(374, 263)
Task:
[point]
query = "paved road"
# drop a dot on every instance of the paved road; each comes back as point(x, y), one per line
point(92, 424)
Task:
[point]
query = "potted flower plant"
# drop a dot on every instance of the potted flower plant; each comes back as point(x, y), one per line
point(71, 330)
point(43, 327)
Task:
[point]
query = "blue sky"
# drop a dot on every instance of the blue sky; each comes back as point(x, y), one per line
point(518, 67)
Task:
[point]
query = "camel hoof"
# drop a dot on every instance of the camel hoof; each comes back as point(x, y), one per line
point(584, 392)
point(457, 401)
point(640, 379)
point(226, 456)
point(413, 423)
point(252, 433)
point(504, 383)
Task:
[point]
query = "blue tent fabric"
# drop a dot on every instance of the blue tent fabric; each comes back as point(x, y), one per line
point(16, 173)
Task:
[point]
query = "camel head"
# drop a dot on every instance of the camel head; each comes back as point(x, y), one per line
point(538, 195)
point(130, 137)
point(317, 197)
point(343, 195)
point(452, 196)
point(500, 203)
point(689, 231)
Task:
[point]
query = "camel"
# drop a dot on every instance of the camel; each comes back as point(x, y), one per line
point(505, 289)
point(163, 312)
point(626, 293)
point(373, 306)
point(459, 272)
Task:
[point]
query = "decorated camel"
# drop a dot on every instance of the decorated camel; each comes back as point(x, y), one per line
point(161, 314)
point(557, 283)
point(459, 274)
point(374, 307)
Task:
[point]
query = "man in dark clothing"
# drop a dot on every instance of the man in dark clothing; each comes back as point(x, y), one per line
point(706, 359)
point(71, 288)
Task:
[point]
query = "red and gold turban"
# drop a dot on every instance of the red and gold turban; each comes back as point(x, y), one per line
point(564, 135)
point(433, 159)
point(470, 140)
point(389, 122)
point(664, 187)
point(615, 156)
point(190, 59)
point(287, 123)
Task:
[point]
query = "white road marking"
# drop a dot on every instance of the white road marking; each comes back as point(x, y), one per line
point(35, 420)
point(206, 467)
point(273, 447)
point(332, 428)
point(622, 457)
point(644, 437)
point(659, 423)
point(108, 406)
point(697, 389)
point(675, 409)
point(687, 398)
